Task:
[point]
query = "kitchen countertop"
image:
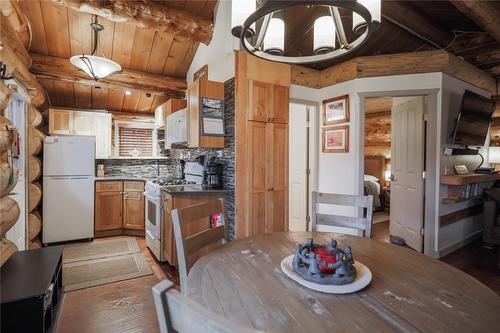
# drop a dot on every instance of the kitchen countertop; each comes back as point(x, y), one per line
point(130, 178)
point(194, 189)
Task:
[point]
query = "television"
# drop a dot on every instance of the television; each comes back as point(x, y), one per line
point(473, 120)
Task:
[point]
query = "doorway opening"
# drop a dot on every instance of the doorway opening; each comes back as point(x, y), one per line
point(394, 161)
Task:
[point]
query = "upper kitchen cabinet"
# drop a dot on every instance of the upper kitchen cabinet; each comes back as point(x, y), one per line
point(170, 106)
point(72, 122)
point(60, 122)
point(205, 116)
point(268, 102)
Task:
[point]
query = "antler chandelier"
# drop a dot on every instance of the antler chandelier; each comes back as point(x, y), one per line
point(96, 65)
point(261, 27)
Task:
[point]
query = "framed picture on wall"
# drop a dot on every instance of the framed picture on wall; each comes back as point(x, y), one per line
point(336, 139)
point(336, 110)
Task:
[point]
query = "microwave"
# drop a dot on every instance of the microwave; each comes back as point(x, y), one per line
point(176, 129)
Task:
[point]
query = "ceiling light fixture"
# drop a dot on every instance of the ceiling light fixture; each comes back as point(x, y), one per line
point(261, 25)
point(128, 92)
point(96, 65)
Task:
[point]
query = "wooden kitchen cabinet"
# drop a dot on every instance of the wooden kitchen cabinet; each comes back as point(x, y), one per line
point(73, 122)
point(268, 199)
point(198, 90)
point(173, 201)
point(119, 208)
point(133, 205)
point(60, 122)
point(108, 205)
point(268, 102)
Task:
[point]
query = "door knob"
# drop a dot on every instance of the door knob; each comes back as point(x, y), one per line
point(393, 179)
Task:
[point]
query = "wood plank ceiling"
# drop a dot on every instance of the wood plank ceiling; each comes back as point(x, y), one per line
point(62, 32)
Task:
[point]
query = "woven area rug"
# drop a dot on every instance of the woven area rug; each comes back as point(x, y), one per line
point(102, 261)
point(99, 248)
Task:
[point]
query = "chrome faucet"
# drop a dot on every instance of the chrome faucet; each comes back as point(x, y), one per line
point(157, 169)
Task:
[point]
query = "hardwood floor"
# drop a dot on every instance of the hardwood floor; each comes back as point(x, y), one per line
point(473, 259)
point(128, 306)
point(125, 306)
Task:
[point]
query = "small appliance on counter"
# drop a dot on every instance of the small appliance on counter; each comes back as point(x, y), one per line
point(100, 170)
point(214, 173)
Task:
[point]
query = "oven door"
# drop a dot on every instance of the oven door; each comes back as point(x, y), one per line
point(153, 215)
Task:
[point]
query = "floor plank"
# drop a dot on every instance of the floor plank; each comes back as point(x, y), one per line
point(128, 306)
point(473, 259)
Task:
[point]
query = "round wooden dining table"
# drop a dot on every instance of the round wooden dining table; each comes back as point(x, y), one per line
point(409, 292)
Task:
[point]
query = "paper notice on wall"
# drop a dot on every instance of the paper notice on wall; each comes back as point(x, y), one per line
point(213, 126)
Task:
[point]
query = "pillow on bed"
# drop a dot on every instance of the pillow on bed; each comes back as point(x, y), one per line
point(370, 178)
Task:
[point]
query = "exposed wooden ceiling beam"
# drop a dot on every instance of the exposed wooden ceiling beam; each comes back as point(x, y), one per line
point(61, 69)
point(485, 14)
point(415, 21)
point(147, 14)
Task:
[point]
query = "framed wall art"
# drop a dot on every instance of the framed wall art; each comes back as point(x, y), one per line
point(336, 139)
point(336, 110)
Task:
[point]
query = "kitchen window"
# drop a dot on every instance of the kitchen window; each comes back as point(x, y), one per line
point(134, 141)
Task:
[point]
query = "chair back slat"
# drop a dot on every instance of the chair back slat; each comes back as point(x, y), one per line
point(204, 238)
point(342, 221)
point(187, 245)
point(196, 212)
point(362, 202)
point(177, 313)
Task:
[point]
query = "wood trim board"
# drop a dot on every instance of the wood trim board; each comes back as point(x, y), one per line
point(459, 215)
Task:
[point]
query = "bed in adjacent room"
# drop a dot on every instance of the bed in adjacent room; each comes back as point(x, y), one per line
point(374, 178)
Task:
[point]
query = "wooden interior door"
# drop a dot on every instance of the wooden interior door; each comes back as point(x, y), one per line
point(260, 101)
point(108, 210)
point(133, 205)
point(258, 148)
point(60, 122)
point(281, 102)
point(407, 166)
point(277, 177)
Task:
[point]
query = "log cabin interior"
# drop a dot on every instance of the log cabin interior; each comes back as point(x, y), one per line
point(249, 166)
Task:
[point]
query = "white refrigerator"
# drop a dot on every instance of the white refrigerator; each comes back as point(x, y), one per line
point(68, 188)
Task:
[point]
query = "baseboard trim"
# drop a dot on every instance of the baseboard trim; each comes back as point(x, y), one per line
point(459, 244)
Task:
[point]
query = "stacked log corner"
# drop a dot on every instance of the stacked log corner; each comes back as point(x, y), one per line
point(9, 208)
point(35, 147)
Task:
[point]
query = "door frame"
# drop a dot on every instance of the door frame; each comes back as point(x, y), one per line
point(431, 151)
point(313, 150)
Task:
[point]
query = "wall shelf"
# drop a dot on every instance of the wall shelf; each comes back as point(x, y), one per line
point(470, 178)
point(457, 200)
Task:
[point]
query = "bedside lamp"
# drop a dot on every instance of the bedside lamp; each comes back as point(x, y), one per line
point(494, 156)
point(387, 177)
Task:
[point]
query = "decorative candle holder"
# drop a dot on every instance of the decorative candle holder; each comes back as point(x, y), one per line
point(324, 264)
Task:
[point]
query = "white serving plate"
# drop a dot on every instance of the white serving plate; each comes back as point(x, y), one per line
point(363, 278)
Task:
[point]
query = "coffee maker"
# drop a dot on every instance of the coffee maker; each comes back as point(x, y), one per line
point(213, 171)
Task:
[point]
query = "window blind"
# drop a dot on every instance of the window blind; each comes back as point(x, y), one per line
point(131, 139)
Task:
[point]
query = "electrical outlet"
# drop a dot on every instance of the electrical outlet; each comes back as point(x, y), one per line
point(219, 153)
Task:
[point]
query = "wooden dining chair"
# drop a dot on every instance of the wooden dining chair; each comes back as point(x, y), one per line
point(363, 202)
point(188, 245)
point(177, 313)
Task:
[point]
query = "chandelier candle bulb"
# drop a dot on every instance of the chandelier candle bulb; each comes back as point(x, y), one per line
point(375, 9)
point(240, 10)
point(274, 41)
point(324, 34)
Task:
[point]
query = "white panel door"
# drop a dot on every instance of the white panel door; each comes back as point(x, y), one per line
point(407, 166)
point(298, 156)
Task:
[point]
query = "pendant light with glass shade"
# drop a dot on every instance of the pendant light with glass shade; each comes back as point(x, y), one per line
point(261, 25)
point(96, 65)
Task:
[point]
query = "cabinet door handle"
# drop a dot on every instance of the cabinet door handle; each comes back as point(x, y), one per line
point(268, 118)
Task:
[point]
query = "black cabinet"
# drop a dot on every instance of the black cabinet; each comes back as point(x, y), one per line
point(31, 290)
